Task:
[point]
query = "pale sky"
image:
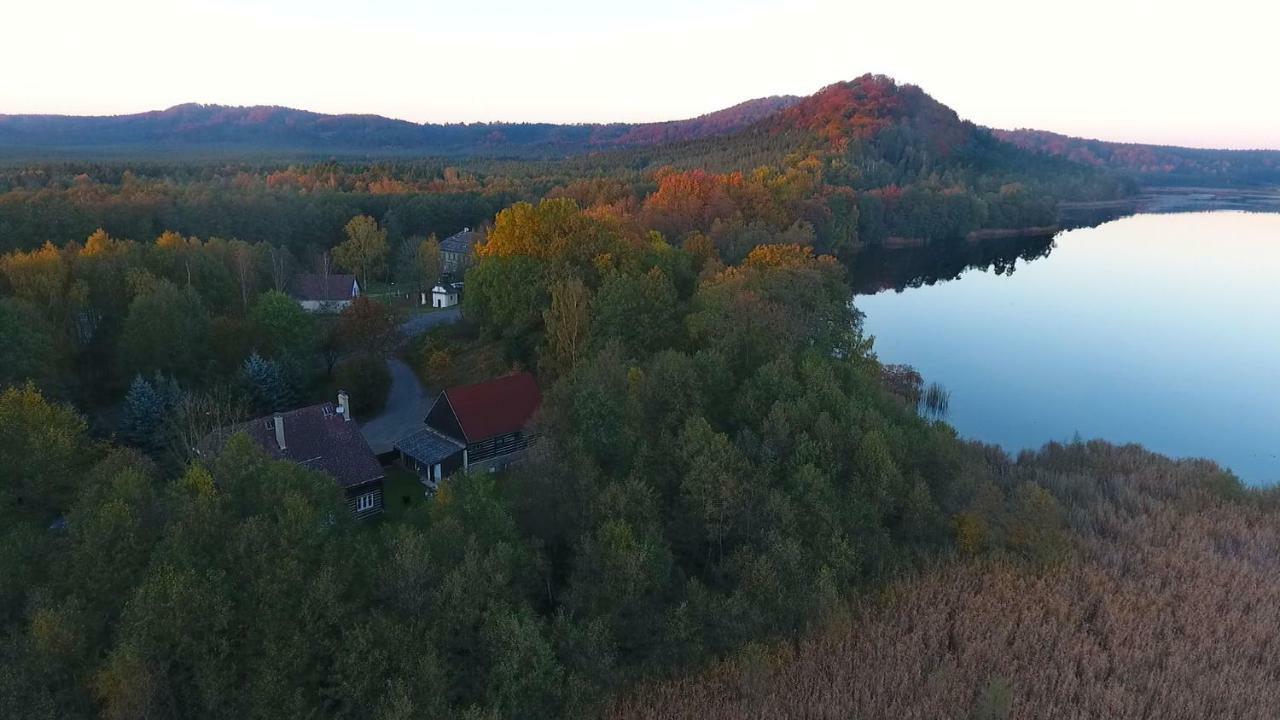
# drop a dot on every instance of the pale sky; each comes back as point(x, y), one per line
point(1190, 73)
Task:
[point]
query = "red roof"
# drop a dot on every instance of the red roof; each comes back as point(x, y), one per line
point(494, 407)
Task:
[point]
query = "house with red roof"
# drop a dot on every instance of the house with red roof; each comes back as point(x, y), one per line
point(474, 427)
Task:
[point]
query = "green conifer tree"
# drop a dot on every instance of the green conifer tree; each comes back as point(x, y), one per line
point(144, 413)
point(268, 389)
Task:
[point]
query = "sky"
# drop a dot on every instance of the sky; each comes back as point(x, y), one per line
point(1188, 73)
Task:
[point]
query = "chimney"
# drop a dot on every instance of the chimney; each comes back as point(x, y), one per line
point(279, 423)
point(344, 405)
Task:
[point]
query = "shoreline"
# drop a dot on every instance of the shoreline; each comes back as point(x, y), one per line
point(1003, 233)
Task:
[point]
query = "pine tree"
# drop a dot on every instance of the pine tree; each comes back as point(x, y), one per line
point(144, 413)
point(266, 384)
point(167, 388)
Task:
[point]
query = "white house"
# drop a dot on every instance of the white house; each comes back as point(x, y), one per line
point(325, 293)
point(446, 295)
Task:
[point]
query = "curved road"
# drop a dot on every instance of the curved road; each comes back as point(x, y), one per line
point(407, 405)
point(407, 401)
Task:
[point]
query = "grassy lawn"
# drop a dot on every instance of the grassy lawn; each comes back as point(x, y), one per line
point(402, 297)
point(405, 311)
point(464, 359)
point(396, 487)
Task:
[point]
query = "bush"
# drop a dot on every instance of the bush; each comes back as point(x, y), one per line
point(367, 381)
point(438, 363)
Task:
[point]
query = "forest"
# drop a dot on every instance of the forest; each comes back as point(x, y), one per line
point(857, 164)
point(723, 462)
point(724, 467)
point(225, 130)
point(1164, 608)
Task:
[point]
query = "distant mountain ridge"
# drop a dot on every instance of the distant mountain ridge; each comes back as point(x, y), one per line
point(853, 111)
point(193, 126)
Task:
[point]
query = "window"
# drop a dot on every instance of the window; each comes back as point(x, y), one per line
point(364, 502)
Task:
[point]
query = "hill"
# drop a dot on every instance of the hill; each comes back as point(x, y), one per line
point(863, 162)
point(1157, 164)
point(870, 116)
point(279, 129)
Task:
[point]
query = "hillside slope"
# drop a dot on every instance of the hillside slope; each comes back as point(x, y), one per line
point(1157, 164)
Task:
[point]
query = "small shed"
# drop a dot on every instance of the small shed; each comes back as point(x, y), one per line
point(446, 294)
point(432, 454)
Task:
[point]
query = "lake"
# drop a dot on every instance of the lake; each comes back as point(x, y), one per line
point(1160, 329)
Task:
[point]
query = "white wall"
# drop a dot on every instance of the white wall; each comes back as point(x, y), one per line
point(322, 306)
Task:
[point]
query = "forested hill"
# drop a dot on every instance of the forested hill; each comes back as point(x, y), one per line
point(868, 112)
point(279, 129)
point(875, 133)
point(863, 162)
point(1157, 164)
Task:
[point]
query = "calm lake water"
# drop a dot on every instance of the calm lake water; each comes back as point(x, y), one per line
point(1158, 329)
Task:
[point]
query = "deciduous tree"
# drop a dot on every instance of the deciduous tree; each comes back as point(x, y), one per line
point(283, 329)
point(367, 327)
point(364, 252)
point(568, 322)
point(429, 262)
point(43, 450)
point(31, 349)
point(167, 330)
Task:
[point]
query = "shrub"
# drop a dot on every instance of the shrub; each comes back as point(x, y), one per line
point(438, 363)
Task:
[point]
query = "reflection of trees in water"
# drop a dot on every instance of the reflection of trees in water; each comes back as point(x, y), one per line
point(877, 269)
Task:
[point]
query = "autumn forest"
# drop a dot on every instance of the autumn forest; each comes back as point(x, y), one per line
point(733, 509)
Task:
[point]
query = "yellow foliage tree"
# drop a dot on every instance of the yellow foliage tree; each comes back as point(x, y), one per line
point(364, 252)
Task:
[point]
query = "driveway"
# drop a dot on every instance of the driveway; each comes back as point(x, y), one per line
point(407, 405)
point(407, 400)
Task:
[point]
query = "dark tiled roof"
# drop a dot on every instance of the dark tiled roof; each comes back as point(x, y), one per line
point(494, 407)
point(460, 242)
point(316, 437)
point(428, 447)
point(323, 288)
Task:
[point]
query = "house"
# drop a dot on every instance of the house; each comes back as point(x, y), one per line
point(325, 293)
point(446, 294)
point(456, 250)
point(321, 437)
point(474, 427)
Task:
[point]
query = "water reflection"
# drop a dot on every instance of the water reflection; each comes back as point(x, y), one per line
point(877, 269)
point(1158, 329)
